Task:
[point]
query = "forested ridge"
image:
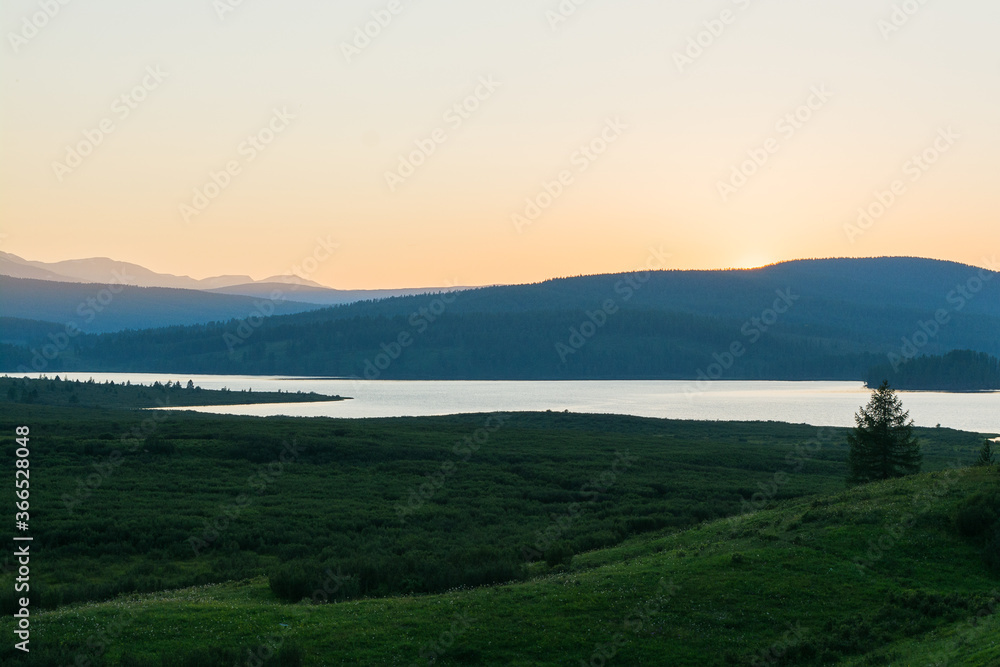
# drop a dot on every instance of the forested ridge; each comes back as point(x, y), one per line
point(959, 370)
point(811, 319)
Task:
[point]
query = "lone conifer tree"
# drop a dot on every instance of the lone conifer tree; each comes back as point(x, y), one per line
point(882, 444)
point(986, 457)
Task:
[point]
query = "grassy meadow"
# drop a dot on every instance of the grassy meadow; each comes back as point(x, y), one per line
point(176, 538)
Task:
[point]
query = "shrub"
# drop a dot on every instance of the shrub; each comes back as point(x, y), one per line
point(293, 581)
point(978, 514)
point(991, 552)
point(560, 553)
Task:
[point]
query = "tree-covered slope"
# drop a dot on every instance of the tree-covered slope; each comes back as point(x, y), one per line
point(93, 308)
point(811, 319)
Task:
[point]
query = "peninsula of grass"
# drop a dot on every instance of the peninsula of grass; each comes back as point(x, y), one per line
point(89, 393)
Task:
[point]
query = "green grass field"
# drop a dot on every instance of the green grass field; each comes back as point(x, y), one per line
point(780, 585)
point(522, 539)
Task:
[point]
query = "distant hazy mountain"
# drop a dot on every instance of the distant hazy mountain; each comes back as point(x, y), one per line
point(810, 319)
point(101, 270)
point(324, 295)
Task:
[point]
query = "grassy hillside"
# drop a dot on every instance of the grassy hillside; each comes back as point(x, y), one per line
point(412, 505)
point(798, 584)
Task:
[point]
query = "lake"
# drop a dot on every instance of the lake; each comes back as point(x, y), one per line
point(817, 403)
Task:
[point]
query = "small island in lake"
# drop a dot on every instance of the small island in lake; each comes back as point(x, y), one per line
point(959, 370)
point(59, 392)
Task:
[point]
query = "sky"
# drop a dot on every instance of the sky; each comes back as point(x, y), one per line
point(406, 143)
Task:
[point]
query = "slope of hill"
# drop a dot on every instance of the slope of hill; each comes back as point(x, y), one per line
point(325, 295)
point(94, 308)
point(810, 319)
point(16, 331)
point(796, 585)
point(851, 287)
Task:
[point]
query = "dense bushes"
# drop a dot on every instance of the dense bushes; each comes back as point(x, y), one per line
point(978, 519)
point(560, 553)
point(991, 552)
point(978, 514)
point(385, 575)
point(230, 498)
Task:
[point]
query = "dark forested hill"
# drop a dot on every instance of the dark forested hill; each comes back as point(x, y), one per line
point(809, 319)
point(94, 308)
point(960, 370)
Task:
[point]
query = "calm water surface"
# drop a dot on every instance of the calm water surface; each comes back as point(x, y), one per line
point(818, 403)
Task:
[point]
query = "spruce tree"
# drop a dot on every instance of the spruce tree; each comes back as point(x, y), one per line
point(882, 444)
point(986, 457)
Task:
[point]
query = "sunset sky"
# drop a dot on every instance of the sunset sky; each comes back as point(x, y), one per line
point(885, 100)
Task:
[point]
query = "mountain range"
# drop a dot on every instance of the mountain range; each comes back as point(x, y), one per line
point(805, 319)
point(102, 270)
point(105, 271)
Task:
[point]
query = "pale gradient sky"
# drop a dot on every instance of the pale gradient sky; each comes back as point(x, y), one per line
point(450, 223)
